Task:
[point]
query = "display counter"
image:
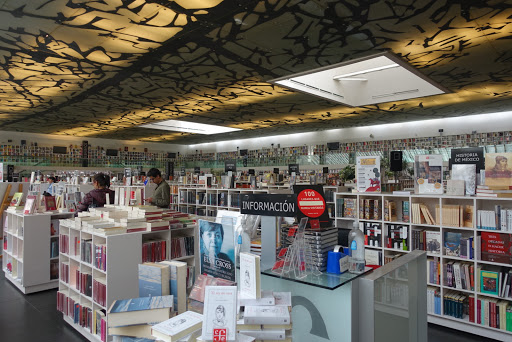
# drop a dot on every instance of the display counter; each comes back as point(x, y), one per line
point(323, 305)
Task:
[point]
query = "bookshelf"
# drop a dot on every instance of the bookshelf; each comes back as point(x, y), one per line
point(119, 273)
point(445, 221)
point(28, 246)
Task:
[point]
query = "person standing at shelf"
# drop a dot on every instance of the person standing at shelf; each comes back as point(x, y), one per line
point(51, 187)
point(98, 196)
point(162, 196)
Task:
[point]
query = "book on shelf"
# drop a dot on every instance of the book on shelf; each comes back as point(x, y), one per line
point(373, 257)
point(433, 300)
point(433, 271)
point(489, 282)
point(452, 244)
point(397, 237)
point(406, 215)
point(153, 280)
point(350, 208)
point(373, 234)
point(456, 304)
point(143, 310)
point(220, 309)
point(494, 313)
point(175, 328)
point(495, 247)
point(459, 275)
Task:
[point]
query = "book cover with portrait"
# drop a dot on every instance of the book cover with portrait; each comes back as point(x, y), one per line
point(220, 305)
point(498, 169)
point(217, 244)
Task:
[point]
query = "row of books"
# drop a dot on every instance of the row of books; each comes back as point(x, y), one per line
point(426, 240)
point(54, 269)
point(182, 246)
point(99, 291)
point(397, 237)
point(86, 250)
point(372, 234)
point(370, 209)
point(433, 300)
point(496, 282)
point(64, 272)
point(83, 282)
point(94, 321)
point(100, 256)
point(499, 219)
point(154, 250)
point(54, 248)
point(491, 312)
point(456, 304)
point(433, 271)
point(459, 275)
point(459, 245)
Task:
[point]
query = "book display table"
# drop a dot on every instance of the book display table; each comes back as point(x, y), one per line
point(323, 306)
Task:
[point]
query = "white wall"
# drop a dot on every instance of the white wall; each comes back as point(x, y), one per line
point(494, 122)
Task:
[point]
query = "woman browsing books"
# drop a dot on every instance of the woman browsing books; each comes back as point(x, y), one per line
point(98, 196)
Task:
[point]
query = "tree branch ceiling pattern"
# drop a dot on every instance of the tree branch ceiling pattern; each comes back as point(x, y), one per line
point(102, 68)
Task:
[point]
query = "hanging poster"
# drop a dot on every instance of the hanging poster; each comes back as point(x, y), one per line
point(497, 170)
point(368, 173)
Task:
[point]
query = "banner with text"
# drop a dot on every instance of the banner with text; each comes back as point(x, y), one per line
point(269, 205)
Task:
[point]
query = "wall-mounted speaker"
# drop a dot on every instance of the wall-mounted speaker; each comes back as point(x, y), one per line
point(395, 161)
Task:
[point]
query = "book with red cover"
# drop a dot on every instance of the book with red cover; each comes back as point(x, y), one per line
point(49, 203)
point(496, 247)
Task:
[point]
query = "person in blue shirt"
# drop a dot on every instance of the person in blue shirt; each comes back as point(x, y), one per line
point(51, 188)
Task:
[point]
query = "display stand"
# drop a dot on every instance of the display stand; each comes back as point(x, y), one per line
point(28, 251)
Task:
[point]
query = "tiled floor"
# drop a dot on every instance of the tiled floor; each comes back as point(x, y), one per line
point(34, 318)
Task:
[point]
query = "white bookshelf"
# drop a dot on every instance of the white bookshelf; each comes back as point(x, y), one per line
point(28, 239)
point(123, 254)
point(478, 203)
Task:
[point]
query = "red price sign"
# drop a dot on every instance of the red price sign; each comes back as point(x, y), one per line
point(311, 203)
point(220, 335)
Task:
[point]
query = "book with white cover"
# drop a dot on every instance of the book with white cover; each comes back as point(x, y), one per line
point(266, 315)
point(177, 327)
point(283, 298)
point(219, 312)
point(250, 283)
point(267, 298)
point(239, 338)
point(277, 334)
point(178, 284)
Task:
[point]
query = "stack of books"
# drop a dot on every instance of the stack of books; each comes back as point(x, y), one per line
point(496, 191)
point(135, 317)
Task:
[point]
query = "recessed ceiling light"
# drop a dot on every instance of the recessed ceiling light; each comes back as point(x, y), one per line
point(382, 78)
point(189, 127)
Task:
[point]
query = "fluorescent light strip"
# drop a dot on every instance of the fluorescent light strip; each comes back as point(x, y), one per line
point(189, 127)
point(394, 65)
point(310, 87)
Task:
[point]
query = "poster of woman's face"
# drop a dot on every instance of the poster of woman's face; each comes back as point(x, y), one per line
point(217, 249)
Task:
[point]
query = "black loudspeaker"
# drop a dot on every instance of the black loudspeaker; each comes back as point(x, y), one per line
point(395, 161)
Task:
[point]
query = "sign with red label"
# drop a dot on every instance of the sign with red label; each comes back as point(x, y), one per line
point(311, 203)
point(220, 335)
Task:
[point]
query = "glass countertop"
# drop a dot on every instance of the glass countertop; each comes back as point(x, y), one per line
point(325, 280)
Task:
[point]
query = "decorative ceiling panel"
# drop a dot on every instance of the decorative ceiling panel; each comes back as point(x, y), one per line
point(102, 68)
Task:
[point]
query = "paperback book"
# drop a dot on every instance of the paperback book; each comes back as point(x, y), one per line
point(177, 327)
point(220, 308)
point(250, 283)
point(497, 170)
point(428, 174)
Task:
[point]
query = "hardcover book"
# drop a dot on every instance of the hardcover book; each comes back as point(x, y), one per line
point(428, 174)
point(496, 247)
point(467, 173)
point(143, 310)
point(153, 280)
point(177, 327)
point(433, 241)
point(178, 283)
point(49, 203)
point(489, 282)
point(452, 244)
point(497, 170)
point(250, 283)
point(220, 306)
point(16, 199)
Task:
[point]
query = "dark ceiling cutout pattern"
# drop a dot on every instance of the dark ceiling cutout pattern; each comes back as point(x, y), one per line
point(214, 70)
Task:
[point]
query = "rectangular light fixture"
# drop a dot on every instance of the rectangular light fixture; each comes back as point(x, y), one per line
point(361, 72)
point(189, 127)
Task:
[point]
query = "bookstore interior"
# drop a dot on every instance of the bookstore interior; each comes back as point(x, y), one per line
point(263, 170)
